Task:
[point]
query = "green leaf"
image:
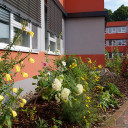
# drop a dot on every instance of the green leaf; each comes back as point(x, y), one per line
point(35, 77)
point(33, 83)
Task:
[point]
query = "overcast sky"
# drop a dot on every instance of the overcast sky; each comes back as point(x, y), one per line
point(114, 4)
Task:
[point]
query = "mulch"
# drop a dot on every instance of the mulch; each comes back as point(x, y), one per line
point(45, 110)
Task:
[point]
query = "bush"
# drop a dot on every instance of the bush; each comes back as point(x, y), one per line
point(71, 84)
point(115, 64)
point(9, 96)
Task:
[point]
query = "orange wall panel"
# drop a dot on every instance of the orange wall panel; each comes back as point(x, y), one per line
point(72, 6)
point(32, 68)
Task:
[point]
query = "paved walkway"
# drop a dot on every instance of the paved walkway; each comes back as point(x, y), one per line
point(119, 118)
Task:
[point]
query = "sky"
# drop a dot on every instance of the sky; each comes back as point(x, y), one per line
point(114, 4)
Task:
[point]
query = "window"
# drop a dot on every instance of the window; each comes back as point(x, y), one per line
point(4, 26)
point(10, 24)
point(110, 42)
point(53, 28)
point(111, 30)
point(121, 29)
point(114, 43)
point(121, 42)
point(52, 44)
point(110, 55)
point(25, 41)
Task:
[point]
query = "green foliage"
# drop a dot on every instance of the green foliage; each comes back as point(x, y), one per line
point(109, 18)
point(72, 84)
point(107, 100)
point(10, 65)
point(56, 123)
point(41, 124)
point(107, 96)
point(115, 64)
point(30, 112)
point(121, 14)
point(112, 89)
point(76, 86)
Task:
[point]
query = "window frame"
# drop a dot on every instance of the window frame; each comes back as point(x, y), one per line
point(122, 31)
point(16, 24)
point(122, 43)
point(55, 40)
point(112, 31)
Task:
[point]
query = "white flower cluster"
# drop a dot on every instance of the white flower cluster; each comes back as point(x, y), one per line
point(80, 89)
point(65, 94)
point(56, 85)
point(64, 63)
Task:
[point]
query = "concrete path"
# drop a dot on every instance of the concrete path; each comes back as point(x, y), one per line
point(119, 118)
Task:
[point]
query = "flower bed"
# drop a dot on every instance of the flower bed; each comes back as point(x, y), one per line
point(72, 93)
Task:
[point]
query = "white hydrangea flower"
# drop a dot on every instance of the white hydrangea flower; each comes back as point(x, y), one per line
point(57, 98)
point(64, 63)
point(56, 85)
point(65, 94)
point(80, 89)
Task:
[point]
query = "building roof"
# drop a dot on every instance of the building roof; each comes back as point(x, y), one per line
point(117, 23)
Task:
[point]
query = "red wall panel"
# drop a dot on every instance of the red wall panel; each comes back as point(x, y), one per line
point(116, 36)
point(111, 48)
point(62, 2)
point(100, 58)
point(117, 23)
point(72, 6)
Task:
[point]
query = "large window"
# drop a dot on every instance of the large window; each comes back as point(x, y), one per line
point(10, 24)
point(4, 26)
point(112, 30)
point(25, 40)
point(115, 42)
point(121, 29)
point(121, 42)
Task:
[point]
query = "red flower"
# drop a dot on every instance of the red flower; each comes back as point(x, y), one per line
point(44, 64)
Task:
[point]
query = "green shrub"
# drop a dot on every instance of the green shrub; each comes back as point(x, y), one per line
point(72, 84)
point(115, 64)
point(9, 66)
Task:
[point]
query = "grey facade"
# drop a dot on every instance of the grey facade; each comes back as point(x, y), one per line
point(85, 36)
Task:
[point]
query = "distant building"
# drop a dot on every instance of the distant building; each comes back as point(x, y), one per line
point(116, 35)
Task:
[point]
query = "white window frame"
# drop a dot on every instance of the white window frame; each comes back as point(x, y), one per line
point(107, 43)
point(55, 40)
point(112, 30)
point(122, 43)
point(19, 26)
point(14, 23)
point(122, 31)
